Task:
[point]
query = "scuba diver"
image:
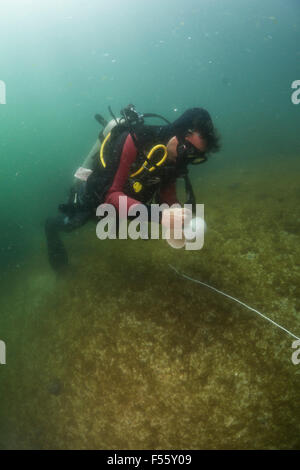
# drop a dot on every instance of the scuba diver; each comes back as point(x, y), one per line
point(132, 159)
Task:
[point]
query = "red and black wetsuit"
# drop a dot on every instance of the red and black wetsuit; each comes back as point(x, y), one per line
point(110, 185)
point(73, 216)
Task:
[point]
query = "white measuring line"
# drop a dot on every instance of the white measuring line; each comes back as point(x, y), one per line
point(236, 300)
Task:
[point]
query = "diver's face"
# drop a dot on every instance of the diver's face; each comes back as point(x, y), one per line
point(196, 139)
point(193, 137)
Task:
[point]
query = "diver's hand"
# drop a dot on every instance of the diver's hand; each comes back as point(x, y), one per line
point(173, 222)
point(176, 218)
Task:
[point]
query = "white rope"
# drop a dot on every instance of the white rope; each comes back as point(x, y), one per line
point(233, 298)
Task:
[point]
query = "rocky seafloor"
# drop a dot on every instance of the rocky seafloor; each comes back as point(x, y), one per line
point(122, 353)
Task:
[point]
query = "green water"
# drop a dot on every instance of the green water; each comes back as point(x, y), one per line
point(120, 352)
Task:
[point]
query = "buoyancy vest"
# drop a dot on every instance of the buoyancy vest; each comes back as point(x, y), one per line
point(145, 186)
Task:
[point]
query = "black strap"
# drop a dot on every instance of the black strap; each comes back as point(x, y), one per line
point(191, 198)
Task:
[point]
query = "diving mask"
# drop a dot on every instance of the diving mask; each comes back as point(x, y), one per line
point(188, 153)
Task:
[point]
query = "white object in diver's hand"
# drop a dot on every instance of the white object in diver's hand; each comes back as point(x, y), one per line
point(173, 221)
point(196, 228)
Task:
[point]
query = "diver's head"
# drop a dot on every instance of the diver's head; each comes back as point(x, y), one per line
point(192, 147)
point(194, 137)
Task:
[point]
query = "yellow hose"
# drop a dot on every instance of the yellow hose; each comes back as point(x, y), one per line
point(152, 151)
point(102, 150)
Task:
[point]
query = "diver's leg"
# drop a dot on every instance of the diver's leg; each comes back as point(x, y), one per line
point(57, 254)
